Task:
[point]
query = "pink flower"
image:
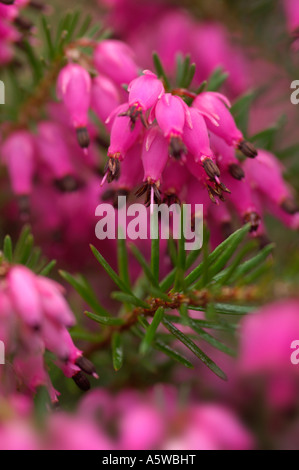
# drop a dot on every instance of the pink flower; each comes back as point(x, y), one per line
point(53, 150)
point(154, 155)
point(265, 175)
point(121, 139)
point(154, 159)
point(196, 137)
point(105, 97)
point(116, 60)
point(141, 423)
point(144, 92)
point(211, 427)
point(226, 157)
point(217, 105)
point(265, 350)
point(292, 15)
point(242, 199)
point(148, 420)
point(170, 113)
point(74, 88)
point(35, 321)
point(18, 154)
point(175, 177)
point(131, 170)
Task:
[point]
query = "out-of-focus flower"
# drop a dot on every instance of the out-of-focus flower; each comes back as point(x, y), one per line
point(292, 15)
point(265, 351)
point(35, 317)
point(170, 31)
point(142, 423)
point(18, 154)
point(116, 60)
point(74, 88)
point(12, 26)
point(60, 431)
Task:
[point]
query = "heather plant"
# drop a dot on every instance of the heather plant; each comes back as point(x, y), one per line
point(154, 104)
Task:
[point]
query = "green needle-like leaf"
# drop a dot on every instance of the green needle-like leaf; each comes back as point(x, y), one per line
point(106, 321)
point(223, 252)
point(155, 249)
point(210, 339)
point(47, 269)
point(117, 280)
point(7, 249)
point(129, 299)
point(161, 346)
point(194, 348)
point(217, 79)
point(144, 264)
point(85, 292)
point(174, 355)
point(252, 264)
point(21, 244)
point(117, 351)
point(226, 309)
point(151, 331)
point(229, 252)
point(123, 265)
point(48, 37)
point(160, 70)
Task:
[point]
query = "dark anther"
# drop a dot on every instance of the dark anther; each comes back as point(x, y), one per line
point(134, 113)
point(24, 207)
point(81, 381)
point(227, 229)
point(254, 219)
point(224, 188)
point(211, 168)
point(23, 24)
point(108, 195)
point(37, 5)
point(87, 366)
point(177, 148)
point(83, 137)
point(289, 206)
point(171, 199)
point(263, 241)
point(118, 193)
point(112, 169)
point(146, 189)
point(247, 149)
point(212, 194)
point(7, 2)
point(236, 171)
point(68, 184)
point(102, 142)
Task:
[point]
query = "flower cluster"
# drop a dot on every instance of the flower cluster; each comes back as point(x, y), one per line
point(35, 317)
point(265, 353)
point(292, 16)
point(172, 144)
point(137, 420)
point(13, 26)
point(189, 153)
point(171, 30)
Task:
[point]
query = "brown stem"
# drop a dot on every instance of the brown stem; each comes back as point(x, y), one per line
point(197, 299)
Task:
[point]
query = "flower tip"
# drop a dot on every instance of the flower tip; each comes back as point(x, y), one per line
point(248, 149)
point(289, 206)
point(83, 137)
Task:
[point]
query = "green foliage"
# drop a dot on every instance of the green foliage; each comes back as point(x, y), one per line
point(154, 311)
point(26, 253)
